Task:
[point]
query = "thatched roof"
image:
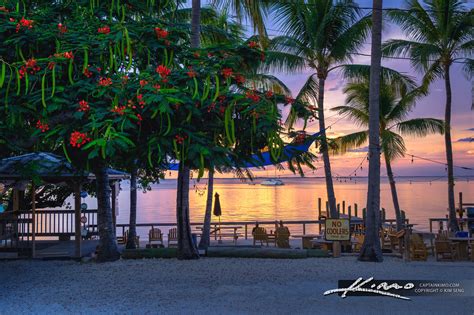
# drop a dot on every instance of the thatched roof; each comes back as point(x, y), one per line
point(47, 166)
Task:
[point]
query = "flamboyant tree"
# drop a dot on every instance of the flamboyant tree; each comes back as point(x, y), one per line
point(111, 83)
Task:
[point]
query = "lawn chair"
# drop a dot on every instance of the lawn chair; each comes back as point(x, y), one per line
point(360, 240)
point(260, 235)
point(446, 250)
point(173, 237)
point(155, 235)
point(418, 250)
point(124, 239)
point(282, 235)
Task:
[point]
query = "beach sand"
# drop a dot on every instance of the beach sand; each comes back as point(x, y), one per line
point(219, 286)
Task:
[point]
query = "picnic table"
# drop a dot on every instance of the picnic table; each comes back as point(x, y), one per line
point(307, 239)
point(234, 233)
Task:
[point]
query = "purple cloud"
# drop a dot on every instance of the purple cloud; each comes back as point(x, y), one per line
point(468, 139)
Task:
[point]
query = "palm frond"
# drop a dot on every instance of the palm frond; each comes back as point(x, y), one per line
point(359, 116)
point(307, 95)
point(349, 142)
point(351, 40)
point(283, 62)
point(267, 82)
point(392, 144)
point(361, 73)
point(421, 127)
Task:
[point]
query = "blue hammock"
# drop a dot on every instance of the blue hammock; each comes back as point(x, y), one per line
point(264, 159)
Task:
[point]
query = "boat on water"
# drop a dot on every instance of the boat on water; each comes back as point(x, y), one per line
point(272, 182)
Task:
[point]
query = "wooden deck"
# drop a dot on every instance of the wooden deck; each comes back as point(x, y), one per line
point(64, 249)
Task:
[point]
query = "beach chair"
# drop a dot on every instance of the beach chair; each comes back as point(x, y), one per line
point(124, 239)
point(155, 235)
point(360, 240)
point(446, 250)
point(173, 237)
point(418, 250)
point(282, 235)
point(260, 235)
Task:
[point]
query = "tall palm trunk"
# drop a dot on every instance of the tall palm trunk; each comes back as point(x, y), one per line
point(186, 246)
point(371, 250)
point(393, 188)
point(107, 240)
point(325, 152)
point(132, 232)
point(453, 224)
point(206, 229)
point(195, 23)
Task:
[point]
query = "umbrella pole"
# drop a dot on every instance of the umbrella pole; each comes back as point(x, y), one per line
point(220, 235)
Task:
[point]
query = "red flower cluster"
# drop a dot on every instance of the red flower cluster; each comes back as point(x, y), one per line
point(140, 100)
point(227, 72)
point(78, 139)
point(191, 73)
point(289, 100)
point(67, 55)
point(51, 65)
point(196, 54)
point(87, 72)
point(163, 71)
point(62, 28)
point(161, 33)
point(119, 110)
point(139, 117)
point(83, 106)
point(24, 23)
point(240, 79)
point(105, 81)
point(269, 94)
point(211, 107)
point(104, 29)
point(42, 126)
point(300, 137)
point(251, 95)
point(253, 44)
point(30, 67)
point(157, 87)
point(143, 83)
point(180, 139)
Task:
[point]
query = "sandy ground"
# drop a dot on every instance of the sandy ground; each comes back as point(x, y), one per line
point(218, 286)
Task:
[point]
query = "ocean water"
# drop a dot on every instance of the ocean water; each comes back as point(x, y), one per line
point(421, 198)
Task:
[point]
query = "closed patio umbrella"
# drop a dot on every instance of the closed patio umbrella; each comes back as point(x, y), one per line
point(218, 212)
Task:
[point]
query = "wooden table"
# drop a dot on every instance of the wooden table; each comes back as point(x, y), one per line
point(463, 246)
point(307, 239)
point(234, 233)
point(328, 244)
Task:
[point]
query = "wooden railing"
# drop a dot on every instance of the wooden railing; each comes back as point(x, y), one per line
point(14, 233)
point(247, 226)
point(56, 222)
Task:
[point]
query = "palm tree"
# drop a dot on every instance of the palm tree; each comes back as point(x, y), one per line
point(371, 250)
point(439, 33)
point(396, 102)
point(320, 35)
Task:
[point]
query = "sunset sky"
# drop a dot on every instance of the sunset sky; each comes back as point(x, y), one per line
point(431, 147)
